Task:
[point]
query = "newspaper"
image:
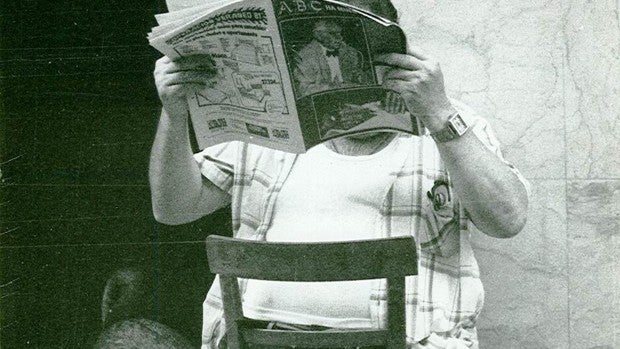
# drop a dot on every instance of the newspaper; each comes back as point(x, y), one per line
point(290, 74)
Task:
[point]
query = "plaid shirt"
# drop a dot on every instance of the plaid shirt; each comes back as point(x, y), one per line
point(446, 296)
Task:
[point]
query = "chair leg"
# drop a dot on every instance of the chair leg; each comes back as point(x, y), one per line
point(233, 311)
point(397, 336)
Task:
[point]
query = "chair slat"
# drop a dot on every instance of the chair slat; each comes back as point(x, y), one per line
point(315, 339)
point(351, 260)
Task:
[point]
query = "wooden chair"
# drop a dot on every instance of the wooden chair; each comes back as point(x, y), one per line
point(390, 258)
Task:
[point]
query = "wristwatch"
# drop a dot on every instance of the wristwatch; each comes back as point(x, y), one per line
point(456, 126)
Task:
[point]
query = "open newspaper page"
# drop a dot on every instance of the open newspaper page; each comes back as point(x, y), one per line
point(329, 48)
point(250, 97)
point(290, 73)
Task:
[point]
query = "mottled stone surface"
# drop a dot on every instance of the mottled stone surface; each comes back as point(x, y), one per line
point(504, 58)
point(594, 263)
point(592, 33)
point(525, 277)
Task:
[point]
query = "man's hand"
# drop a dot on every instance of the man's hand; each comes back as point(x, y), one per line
point(175, 79)
point(419, 81)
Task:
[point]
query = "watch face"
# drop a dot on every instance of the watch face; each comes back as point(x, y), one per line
point(458, 125)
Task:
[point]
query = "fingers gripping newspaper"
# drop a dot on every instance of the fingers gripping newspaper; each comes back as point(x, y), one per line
point(288, 74)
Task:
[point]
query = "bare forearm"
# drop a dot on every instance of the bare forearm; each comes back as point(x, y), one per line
point(493, 195)
point(179, 192)
point(174, 175)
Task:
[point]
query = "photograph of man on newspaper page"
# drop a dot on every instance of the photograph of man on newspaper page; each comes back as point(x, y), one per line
point(330, 63)
point(333, 58)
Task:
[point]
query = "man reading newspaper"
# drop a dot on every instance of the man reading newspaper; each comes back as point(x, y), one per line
point(366, 186)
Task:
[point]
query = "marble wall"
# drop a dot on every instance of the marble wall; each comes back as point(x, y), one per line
point(546, 74)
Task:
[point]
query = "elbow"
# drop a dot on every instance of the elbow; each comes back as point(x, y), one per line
point(518, 217)
point(513, 227)
point(170, 216)
point(508, 221)
point(172, 208)
point(504, 228)
point(167, 219)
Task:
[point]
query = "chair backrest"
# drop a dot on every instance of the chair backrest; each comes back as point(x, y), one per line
point(389, 258)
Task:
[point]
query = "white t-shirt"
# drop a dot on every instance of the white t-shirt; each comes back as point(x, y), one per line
point(326, 197)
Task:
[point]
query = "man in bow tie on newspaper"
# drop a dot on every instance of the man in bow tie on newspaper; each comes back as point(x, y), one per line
point(328, 62)
point(355, 187)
